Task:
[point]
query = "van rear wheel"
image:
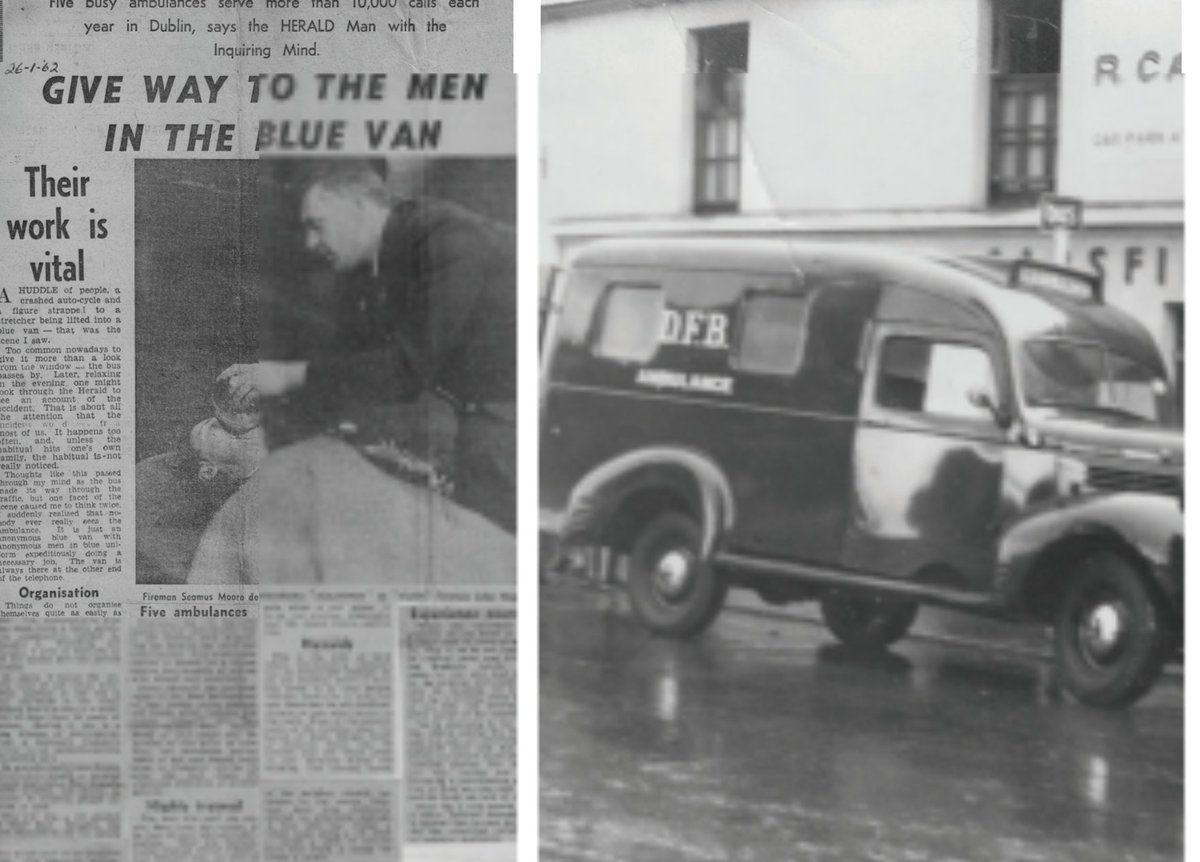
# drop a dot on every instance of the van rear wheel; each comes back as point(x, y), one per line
point(1111, 638)
point(867, 622)
point(672, 589)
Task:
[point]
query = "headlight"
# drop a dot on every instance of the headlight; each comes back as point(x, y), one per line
point(1072, 476)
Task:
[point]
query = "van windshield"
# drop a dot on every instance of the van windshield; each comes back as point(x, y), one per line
point(1087, 377)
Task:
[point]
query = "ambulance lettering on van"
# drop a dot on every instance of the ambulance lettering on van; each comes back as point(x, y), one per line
point(662, 378)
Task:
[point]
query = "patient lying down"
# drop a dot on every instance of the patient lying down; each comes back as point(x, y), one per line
point(228, 511)
point(318, 512)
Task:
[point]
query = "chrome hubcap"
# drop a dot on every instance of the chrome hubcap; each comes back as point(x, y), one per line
point(673, 574)
point(1102, 631)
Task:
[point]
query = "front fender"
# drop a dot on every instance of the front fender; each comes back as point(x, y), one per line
point(599, 500)
point(1149, 526)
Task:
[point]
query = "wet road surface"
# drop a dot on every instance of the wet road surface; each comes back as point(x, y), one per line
point(763, 739)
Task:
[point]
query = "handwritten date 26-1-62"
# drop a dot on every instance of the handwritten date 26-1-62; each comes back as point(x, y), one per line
point(38, 66)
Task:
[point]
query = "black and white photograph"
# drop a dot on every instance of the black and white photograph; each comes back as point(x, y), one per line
point(325, 378)
point(861, 419)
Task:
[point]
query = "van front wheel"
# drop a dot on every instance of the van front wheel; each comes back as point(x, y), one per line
point(867, 622)
point(1111, 638)
point(673, 590)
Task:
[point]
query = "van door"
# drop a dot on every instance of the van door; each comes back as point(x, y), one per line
point(928, 457)
point(797, 355)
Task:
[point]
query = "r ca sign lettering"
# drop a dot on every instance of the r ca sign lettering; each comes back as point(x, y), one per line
point(1150, 66)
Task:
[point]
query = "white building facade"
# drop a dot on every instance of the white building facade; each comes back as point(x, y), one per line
point(931, 123)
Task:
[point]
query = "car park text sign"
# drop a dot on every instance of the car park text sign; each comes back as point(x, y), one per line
point(1121, 102)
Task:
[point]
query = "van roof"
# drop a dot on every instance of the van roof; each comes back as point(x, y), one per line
point(982, 282)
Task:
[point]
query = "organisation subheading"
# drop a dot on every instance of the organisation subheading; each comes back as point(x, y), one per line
point(77, 593)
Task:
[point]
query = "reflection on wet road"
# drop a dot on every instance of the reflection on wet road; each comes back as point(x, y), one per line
point(765, 740)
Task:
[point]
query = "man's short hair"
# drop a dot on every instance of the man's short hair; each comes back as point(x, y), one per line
point(360, 179)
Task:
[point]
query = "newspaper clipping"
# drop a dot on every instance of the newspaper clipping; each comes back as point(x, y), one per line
point(257, 430)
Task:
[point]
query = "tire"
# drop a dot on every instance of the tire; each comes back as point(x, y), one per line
point(867, 622)
point(1111, 636)
point(672, 591)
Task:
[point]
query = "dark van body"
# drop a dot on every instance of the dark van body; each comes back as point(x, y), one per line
point(872, 429)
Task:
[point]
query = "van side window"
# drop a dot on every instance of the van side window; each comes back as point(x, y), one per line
point(771, 333)
point(923, 376)
point(629, 323)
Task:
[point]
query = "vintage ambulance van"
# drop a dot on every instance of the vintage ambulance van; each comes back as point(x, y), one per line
point(874, 430)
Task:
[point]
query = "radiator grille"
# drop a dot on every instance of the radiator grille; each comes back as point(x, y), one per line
point(1117, 479)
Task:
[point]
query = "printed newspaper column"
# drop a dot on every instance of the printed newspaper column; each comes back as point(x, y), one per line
point(193, 730)
point(329, 727)
point(459, 718)
point(63, 329)
point(60, 739)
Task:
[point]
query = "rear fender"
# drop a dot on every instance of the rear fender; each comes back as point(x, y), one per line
point(606, 505)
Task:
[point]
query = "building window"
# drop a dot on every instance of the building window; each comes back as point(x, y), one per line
point(721, 54)
point(1026, 45)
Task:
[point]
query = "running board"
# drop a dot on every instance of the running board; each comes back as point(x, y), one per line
point(855, 581)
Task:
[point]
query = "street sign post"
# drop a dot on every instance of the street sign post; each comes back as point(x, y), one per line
point(1060, 215)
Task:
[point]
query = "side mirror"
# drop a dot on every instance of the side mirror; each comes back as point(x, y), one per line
point(984, 401)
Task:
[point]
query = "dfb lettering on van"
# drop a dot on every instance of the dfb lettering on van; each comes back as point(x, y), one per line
point(695, 328)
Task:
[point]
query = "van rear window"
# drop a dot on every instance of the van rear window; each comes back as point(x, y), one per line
point(772, 333)
point(629, 322)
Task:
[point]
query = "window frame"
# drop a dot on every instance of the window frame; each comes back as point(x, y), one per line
point(739, 335)
point(600, 319)
point(1023, 81)
point(1023, 135)
point(944, 424)
point(728, 116)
